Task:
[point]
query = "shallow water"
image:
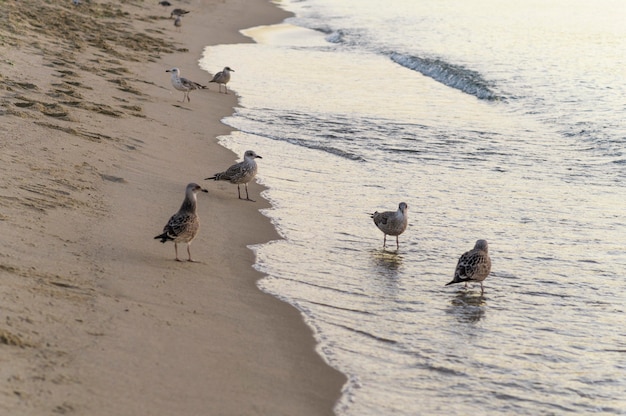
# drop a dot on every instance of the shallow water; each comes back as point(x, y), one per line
point(506, 126)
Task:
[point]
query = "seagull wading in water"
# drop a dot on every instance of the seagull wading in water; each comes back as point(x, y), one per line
point(222, 78)
point(242, 172)
point(473, 266)
point(392, 222)
point(184, 225)
point(183, 84)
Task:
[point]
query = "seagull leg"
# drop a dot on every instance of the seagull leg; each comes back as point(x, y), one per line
point(397, 243)
point(176, 250)
point(385, 240)
point(248, 196)
point(189, 252)
point(238, 191)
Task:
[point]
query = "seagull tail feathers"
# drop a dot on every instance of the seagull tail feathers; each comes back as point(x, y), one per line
point(458, 280)
point(164, 237)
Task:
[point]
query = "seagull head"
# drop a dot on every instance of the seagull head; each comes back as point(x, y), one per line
point(194, 188)
point(250, 154)
point(481, 245)
point(174, 71)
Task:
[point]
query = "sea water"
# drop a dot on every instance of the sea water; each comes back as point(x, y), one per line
point(492, 120)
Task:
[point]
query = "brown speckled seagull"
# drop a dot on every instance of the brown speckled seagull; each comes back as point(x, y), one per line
point(184, 225)
point(222, 78)
point(473, 266)
point(392, 222)
point(240, 173)
point(183, 84)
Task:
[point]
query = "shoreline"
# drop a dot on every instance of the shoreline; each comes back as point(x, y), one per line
point(99, 317)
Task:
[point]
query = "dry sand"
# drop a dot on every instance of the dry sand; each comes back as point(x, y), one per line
point(96, 150)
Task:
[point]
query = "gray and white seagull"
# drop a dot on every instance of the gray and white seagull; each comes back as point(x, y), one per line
point(183, 84)
point(473, 265)
point(222, 78)
point(178, 12)
point(240, 173)
point(184, 225)
point(392, 222)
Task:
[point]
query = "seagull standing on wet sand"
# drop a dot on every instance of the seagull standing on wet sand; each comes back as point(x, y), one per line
point(178, 12)
point(183, 84)
point(473, 266)
point(242, 172)
point(392, 222)
point(184, 225)
point(222, 78)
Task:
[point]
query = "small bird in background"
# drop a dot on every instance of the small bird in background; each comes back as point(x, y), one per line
point(242, 172)
point(222, 78)
point(183, 84)
point(165, 3)
point(184, 225)
point(178, 22)
point(392, 222)
point(178, 12)
point(473, 266)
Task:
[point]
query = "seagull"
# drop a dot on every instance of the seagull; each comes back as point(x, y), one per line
point(473, 266)
point(183, 84)
point(392, 222)
point(178, 22)
point(184, 225)
point(222, 78)
point(242, 172)
point(165, 3)
point(178, 12)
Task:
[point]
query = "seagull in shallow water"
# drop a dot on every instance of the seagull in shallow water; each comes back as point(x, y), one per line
point(392, 222)
point(183, 84)
point(184, 225)
point(473, 266)
point(242, 172)
point(222, 78)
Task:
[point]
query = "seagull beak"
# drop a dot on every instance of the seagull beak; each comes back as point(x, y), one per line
point(258, 157)
point(204, 190)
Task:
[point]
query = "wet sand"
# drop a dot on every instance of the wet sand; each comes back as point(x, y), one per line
point(97, 316)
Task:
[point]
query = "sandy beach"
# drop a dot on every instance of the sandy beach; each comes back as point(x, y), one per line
point(97, 318)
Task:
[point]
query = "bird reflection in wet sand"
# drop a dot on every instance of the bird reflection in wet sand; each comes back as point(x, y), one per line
point(386, 261)
point(467, 307)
